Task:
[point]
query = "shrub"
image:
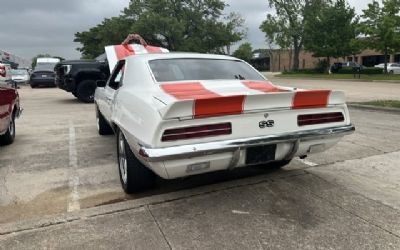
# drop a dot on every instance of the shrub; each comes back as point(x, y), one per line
point(364, 70)
point(300, 71)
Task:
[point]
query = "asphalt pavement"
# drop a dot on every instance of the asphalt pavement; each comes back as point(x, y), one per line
point(59, 188)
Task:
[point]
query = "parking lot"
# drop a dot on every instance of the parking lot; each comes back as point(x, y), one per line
point(347, 197)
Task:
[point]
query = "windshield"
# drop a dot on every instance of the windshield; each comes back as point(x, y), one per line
point(187, 69)
point(45, 66)
point(19, 72)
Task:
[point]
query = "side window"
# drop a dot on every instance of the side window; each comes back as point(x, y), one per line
point(117, 75)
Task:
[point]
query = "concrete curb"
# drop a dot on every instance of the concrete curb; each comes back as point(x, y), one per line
point(54, 220)
point(373, 108)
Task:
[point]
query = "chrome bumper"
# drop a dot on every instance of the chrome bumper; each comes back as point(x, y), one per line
point(208, 148)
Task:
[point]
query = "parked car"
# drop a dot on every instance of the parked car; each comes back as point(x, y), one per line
point(392, 68)
point(79, 76)
point(350, 65)
point(9, 108)
point(43, 75)
point(180, 114)
point(20, 76)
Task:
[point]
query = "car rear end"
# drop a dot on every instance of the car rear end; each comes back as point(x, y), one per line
point(43, 75)
point(209, 125)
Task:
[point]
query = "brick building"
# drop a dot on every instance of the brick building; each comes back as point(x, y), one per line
point(280, 60)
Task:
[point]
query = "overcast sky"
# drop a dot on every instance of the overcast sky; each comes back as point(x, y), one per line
point(30, 27)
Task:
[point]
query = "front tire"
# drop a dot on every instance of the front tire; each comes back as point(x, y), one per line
point(85, 91)
point(102, 125)
point(134, 176)
point(9, 136)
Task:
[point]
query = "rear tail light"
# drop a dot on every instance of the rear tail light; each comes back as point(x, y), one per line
point(312, 119)
point(2, 71)
point(197, 132)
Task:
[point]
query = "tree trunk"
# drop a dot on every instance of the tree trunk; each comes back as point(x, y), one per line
point(386, 54)
point(296, 57)
point(328, 62)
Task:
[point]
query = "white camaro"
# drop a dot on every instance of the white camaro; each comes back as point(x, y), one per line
point(180, 114)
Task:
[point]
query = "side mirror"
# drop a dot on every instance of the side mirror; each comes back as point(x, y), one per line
point(101, 83)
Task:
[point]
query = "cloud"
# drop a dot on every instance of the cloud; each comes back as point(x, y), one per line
point(30, 27)
point(48, 26)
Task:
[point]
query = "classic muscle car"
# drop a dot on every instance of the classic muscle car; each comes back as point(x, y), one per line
point(9, 111)
point(180, 114)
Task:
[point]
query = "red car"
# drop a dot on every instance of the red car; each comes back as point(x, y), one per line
point(9, 110)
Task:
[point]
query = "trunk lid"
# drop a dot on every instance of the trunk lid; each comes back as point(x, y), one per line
point(191, 100)
point(116, 53)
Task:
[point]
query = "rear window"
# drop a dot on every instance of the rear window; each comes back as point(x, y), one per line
point(188, 69)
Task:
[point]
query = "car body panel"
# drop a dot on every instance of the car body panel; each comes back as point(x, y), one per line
point(143, 109)
point(9, 103)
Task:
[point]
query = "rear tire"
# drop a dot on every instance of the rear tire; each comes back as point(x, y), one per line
point(391, 72)
point(33, 86)
point(279, 164)
point(9, 136)
point(134, 176)
point(85, 91)
point(102, 125)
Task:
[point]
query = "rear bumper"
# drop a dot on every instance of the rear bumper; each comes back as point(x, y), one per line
point(43, 81)
point(210, 148)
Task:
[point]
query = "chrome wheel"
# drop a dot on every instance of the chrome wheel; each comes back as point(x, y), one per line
point(123, 166)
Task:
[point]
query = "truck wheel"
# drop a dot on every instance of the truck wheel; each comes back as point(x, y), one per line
point(279, 164)
point(134, 176)
point(102, 125)
point(85, 91)
point(9, 136)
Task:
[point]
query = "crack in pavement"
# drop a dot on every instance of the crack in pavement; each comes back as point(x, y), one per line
point(56, 222)
point(159, 227)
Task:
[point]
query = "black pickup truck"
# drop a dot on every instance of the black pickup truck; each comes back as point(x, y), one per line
point(79, 76)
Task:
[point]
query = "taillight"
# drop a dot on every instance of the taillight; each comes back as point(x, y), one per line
point(197, 132)
point(2, 71)
point(312, 119)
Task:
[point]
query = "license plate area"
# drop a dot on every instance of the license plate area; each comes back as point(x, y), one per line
point(260, 154)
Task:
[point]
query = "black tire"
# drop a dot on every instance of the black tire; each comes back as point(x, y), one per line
point(279, 164)
point(391, 72)
point(33, 86)
point(85, 91)
point(134, 176)
point(102, 125)
point(9, 136)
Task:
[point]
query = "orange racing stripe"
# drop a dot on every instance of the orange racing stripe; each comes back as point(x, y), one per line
point(310, 99)
point(205, 103)
point(123, 51)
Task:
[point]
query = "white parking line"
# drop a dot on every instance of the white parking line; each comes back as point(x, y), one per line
point(308, 163)
point(73, 203)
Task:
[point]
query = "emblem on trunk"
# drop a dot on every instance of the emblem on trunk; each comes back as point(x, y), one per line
point(266, 124)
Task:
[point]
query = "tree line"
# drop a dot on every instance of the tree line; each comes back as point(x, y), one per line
point(331, 28)
point(326, 28)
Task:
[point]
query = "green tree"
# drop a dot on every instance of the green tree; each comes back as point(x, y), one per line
point(244, 52)
point(187, 25)
point(286, 27)
point(44, 55)
point(109, 31)
point(331, 30)
point(381, 26)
